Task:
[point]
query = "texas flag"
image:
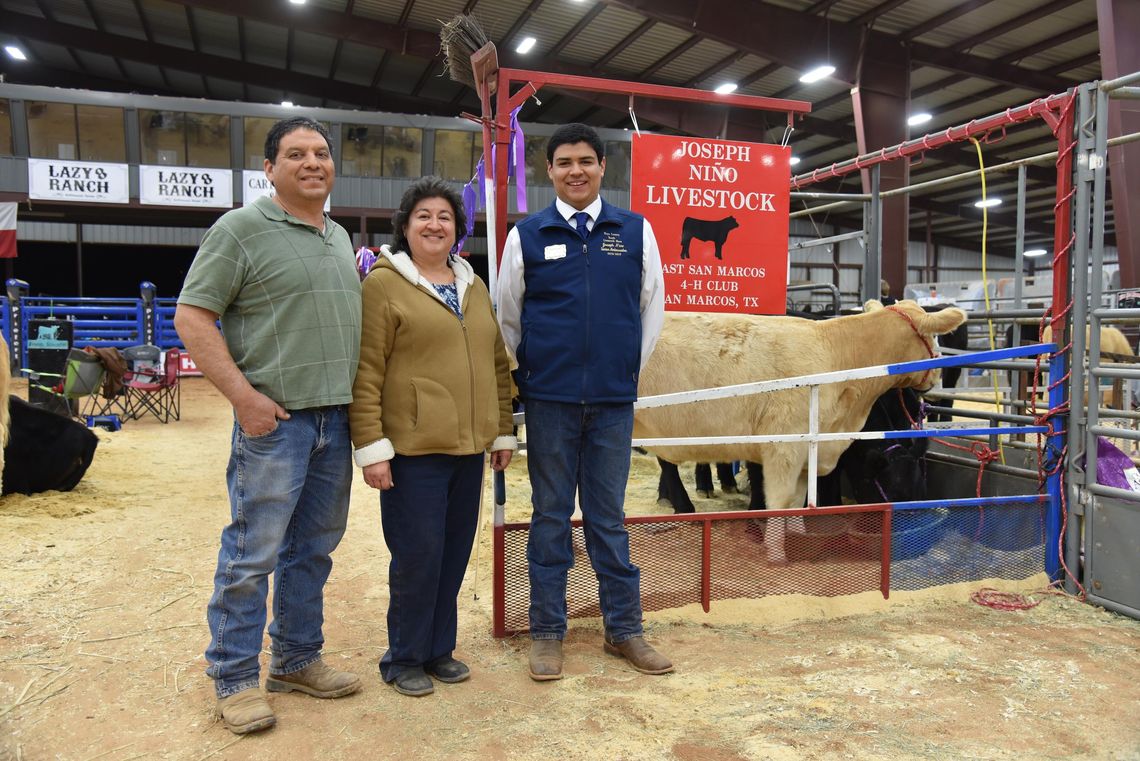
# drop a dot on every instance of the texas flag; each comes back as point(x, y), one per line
point(7, 231)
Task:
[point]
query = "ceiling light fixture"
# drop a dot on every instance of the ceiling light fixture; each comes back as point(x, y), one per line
point(987, 203)
point(920, 118)
point(287, 103)
point(15, 52)
point(1034, 252)
point(818, 73)
point(726, 88)
point(794, 160)
point(297, 2)
point(525, 46)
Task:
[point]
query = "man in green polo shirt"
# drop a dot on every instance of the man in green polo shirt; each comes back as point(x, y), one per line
point(282, 277)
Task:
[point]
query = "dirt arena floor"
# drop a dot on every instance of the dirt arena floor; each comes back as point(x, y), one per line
point(103, 592)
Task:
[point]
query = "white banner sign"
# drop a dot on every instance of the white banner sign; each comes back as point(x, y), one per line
point(255, 184)
point(186, 186)
point(58, 180)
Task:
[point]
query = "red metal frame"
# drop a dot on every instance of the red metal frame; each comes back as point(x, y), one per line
point(1045, 108)
point(1062, 226)
point(1056, 110)
point(535, 80)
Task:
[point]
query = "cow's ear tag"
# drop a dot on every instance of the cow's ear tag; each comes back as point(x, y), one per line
point(557, 251)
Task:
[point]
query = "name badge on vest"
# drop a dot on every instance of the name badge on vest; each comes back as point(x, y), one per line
point(556, 252)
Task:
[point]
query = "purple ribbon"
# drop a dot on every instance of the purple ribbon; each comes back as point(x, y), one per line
point(518, 160)
point(472, 201)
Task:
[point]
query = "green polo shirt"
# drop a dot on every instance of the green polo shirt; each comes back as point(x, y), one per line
point(289, 300)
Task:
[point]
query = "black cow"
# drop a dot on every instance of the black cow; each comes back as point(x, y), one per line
point(671, 490)
point(708, 230)
point(875, 470)
point(45, 450)
point(702, 474)
point(885, 470)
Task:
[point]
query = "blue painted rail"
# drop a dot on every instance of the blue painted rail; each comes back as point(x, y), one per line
point(109, 322)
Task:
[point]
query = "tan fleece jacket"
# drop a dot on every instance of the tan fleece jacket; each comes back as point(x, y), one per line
point(428, 382)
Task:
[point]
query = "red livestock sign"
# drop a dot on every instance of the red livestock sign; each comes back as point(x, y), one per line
point(719, 209)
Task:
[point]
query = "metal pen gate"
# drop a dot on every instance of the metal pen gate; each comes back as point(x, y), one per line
point(1106, 529)
point(845, 550)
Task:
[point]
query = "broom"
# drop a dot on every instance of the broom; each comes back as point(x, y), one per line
point(463, 40)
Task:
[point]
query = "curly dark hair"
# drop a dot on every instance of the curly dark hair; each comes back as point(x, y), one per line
point(426, 187)
point(568, 134)
point(284, 127)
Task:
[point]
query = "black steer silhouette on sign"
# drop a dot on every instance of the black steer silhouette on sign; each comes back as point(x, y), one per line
point(715, 231)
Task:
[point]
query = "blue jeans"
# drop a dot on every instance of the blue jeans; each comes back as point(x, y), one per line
point(289, 508)
point(585, 448)
point(429, 518)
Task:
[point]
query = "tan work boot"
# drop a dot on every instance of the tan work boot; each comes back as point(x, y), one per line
point(640, 655)
point(545, 659)
point(246, 711)
point(317, 679)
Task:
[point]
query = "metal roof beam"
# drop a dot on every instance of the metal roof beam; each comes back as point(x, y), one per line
point(669, 57)
point(218, 66)
point(961, 9)
point(519, 22)
point(1003, 217)
point(48, 76)
point(723, 63)
point(794, 39)
point(365, 31)
point(583, 22)
point(624, 43)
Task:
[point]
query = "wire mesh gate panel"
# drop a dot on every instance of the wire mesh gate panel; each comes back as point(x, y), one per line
point(951, 544)
point(698, 558)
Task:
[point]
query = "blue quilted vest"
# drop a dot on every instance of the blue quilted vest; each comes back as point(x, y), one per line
point(581, 316)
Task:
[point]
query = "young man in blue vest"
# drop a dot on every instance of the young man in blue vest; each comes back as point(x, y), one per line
point(581, 302)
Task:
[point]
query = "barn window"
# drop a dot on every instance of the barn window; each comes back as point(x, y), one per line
point(371, 150)
point(77, 133)
point(173, 138)
point(456, 153)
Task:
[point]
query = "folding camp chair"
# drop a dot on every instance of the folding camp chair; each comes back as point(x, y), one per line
point(82, 377)
point(154, 388)
point(111, 401)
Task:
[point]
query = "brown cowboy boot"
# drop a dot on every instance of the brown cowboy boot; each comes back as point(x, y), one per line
point(246, 711)
point(640, 655)
point(545, 659)
point(317, 679)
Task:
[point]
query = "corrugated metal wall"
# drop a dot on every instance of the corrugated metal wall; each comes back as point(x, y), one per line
point(126, 235)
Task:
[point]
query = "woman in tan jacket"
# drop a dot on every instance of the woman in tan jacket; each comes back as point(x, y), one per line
point(431, 395)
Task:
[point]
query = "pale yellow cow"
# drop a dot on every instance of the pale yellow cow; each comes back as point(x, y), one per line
point(1112, 341)
point(707, 350)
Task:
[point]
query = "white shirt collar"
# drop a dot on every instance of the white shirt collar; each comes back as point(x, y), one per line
point(567, 211)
